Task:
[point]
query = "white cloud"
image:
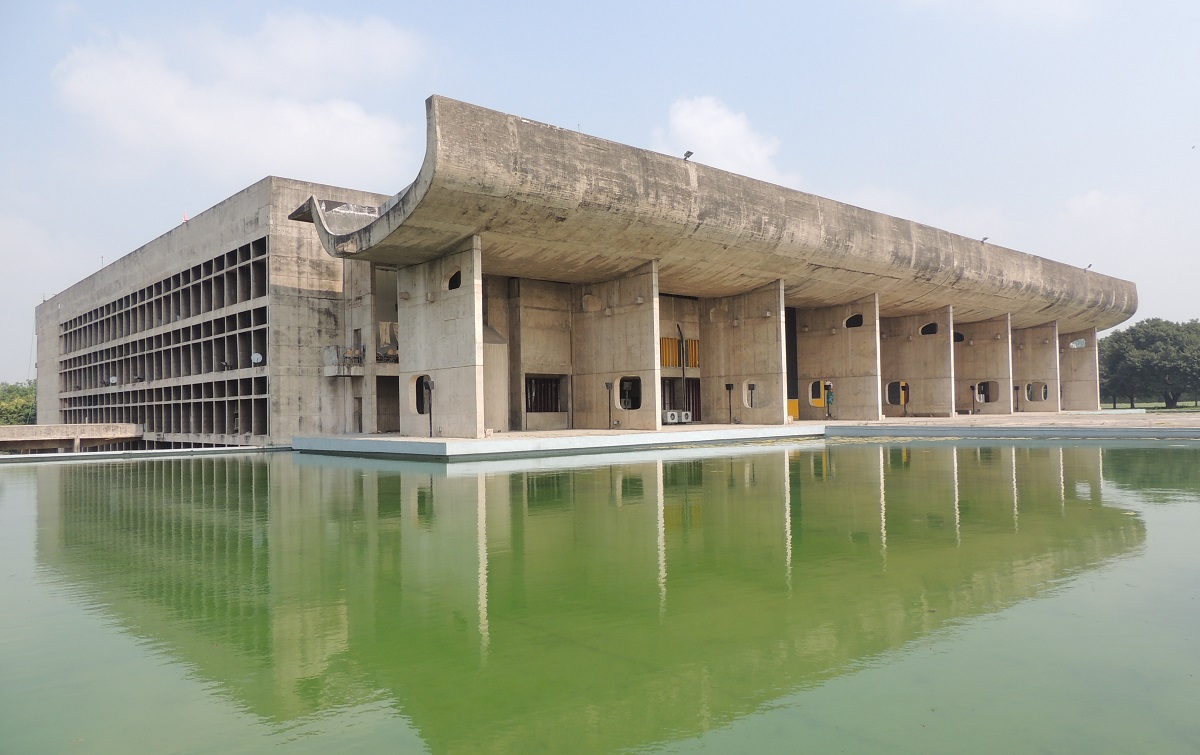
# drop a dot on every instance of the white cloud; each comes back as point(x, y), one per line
point(722, 138)
point(239, 108)
point(1026, 11)
point(37, 264)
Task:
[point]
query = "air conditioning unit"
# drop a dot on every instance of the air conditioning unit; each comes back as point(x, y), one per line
point(626, 403)
point(685, 417)
point(670, 417)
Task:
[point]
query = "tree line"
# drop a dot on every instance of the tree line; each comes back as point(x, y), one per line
point(1154, 360)
point(18, 403)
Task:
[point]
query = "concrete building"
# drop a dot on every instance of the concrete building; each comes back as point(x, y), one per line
point(535, 278)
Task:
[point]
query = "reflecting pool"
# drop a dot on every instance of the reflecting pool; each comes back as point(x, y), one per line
point(920, 597)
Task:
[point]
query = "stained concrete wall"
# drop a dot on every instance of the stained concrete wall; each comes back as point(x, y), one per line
point(848, 357)
point(539, 320)
point(615, 331)
point(925, 362)
point(307, 313)
point(1079, 371)
point(1035, 363)
point(441, 335)
point(743, 340)
point(304, 298)
point(984, 354)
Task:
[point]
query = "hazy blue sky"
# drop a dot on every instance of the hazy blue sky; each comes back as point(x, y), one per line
point(1064, 128)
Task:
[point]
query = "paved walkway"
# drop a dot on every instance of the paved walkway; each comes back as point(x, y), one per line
point(1072, 426)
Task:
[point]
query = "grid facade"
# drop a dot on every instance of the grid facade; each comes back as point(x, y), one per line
point(186, 355)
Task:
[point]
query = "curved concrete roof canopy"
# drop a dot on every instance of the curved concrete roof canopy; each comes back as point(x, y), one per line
point(554, 204)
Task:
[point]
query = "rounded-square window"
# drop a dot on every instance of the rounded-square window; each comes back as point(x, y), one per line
point(820, 393)
point(1037, 391)
point(987, 391)
point(629, 393)
point(422, 394)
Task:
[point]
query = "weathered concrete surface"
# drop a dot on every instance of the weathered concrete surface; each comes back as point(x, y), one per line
point(559, 205)
point(614, 335)
point(923, 360)
point(743, 340)
point(832, 349)
point(65, 437)
point(1079, 370)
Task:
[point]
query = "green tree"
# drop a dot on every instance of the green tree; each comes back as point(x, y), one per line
point(18, 403)
point(1152, 358)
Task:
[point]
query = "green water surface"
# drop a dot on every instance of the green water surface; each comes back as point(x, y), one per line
point(845, 598)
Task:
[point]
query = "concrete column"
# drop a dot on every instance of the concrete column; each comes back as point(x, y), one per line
point(1079, 371)
point(441, 335)
point(831, 348)
point(742, 343)
point(615, 335)
point(984, 358)
point(918, 351)
point(1035, 369)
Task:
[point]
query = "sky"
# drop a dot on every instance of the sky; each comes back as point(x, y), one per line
point(1062, 128)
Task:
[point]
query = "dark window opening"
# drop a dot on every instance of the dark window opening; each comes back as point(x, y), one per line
point(989, 391)
point(959, 337)
point(631, 393)
point(545, 393)
point(854, 321)
point(422, 386)
point(454, 281)
point(929, 329)
point(897, 393)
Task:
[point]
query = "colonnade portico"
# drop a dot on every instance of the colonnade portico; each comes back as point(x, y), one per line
point(609, 287)
point(487, 354)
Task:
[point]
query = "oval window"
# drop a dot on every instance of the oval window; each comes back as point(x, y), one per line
point(854, 321)
point(929, 329)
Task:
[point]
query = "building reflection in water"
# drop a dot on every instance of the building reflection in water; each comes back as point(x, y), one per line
point(580, 607)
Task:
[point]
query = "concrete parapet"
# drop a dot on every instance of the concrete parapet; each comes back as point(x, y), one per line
point(66, 437)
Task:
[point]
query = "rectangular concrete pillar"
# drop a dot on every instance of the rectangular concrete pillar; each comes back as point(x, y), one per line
point(983, 367)
point(840, 345)
point(1079, 371)
point(615, 333)
point(742, 338)
point(440, 307)
point(1035, 369)
point(917, 353)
